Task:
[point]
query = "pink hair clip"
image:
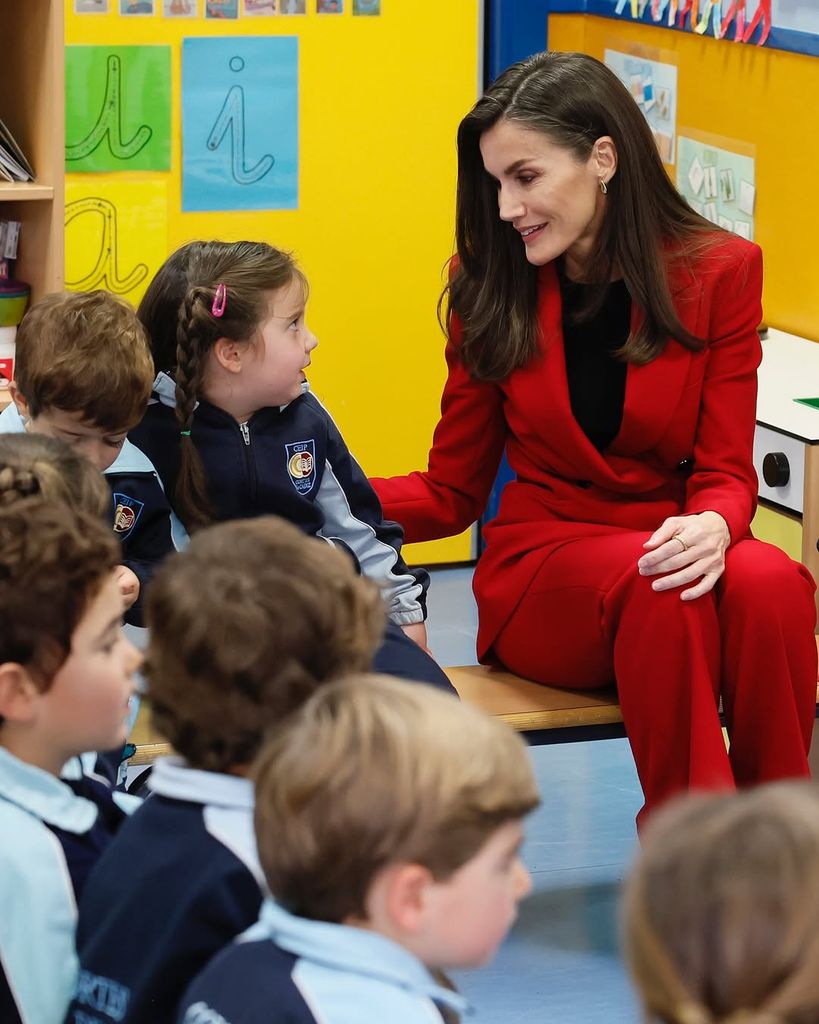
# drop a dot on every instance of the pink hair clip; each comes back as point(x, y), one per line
point(219, 301)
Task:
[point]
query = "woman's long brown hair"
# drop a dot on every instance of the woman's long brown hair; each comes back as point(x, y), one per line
point(573, 100)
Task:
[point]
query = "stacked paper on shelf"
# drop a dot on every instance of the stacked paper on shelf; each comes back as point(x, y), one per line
point(9, 236)
point(13, 163)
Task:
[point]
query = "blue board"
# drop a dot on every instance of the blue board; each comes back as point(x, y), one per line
point(240, 117)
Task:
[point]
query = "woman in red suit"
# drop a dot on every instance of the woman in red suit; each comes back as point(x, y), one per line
point(604, 335)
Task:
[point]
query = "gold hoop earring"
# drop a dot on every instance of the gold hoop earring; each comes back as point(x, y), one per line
point(603, 187)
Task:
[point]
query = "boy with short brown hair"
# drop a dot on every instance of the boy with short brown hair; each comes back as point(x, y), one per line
point(66, 674)
point(389, 823)
point(84, 354)
point(244, 625)
point(83, 373)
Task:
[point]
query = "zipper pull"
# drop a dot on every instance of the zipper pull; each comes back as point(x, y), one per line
point(245, 432)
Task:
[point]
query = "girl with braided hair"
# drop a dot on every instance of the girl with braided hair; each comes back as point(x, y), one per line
point(721, 913)
point(234, 431)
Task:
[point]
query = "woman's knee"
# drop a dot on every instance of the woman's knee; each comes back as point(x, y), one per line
point(761, 576)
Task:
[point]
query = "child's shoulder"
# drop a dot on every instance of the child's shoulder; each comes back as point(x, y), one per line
point(200, 823)
point(39, 914)
point(243, 981)
point(58, 835)
point(36, 794)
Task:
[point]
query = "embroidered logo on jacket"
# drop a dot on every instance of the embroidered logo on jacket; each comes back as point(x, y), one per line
point(301, 464)
point(127, 511)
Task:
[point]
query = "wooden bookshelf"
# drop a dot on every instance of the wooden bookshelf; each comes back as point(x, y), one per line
point(32, 104)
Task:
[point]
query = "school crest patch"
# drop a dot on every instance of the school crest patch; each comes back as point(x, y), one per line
point(301, 464)
point(127, 511)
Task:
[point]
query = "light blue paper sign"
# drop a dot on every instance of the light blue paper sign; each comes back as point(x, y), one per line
point(240, 112)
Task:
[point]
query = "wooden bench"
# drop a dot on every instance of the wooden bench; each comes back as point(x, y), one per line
point(544, 714)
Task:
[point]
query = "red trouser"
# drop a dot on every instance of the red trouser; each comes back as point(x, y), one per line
point(588, 617)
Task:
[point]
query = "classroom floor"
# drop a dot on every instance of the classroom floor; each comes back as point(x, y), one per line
point(560, 962)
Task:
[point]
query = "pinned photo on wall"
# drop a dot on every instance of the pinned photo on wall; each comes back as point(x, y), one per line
point(131, 7)
point(117, 108)
point(365, 7)
point(718, 182)
point(653, 84)
point(710, 182)
point(240, 123)
point(293, 6)
point(90, 6)
point(747, 196)
point(180, 8)
point(329, 6)
point(254, 8)
point(222, 9)
point(116, 233)
point(727, 191)
point(695, 175)
point(648, 94)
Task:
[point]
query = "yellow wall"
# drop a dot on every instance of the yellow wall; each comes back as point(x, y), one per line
point(756, 95)
point(380, 101)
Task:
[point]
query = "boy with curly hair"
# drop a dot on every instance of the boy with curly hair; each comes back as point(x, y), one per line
point(66, 675)
point(244, 625)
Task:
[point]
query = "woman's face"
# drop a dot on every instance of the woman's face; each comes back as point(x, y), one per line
point(552, 198)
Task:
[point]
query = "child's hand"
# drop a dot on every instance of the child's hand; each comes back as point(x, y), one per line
point(128, 584)
point(417, 631)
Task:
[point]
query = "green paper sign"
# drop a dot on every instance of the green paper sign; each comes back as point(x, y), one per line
point(117, 108)
point(812, 402)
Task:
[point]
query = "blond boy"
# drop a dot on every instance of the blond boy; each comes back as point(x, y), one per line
point(66, 674)
point(389, 824)
point(83, 373)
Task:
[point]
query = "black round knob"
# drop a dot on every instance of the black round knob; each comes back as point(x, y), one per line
point(776, 470)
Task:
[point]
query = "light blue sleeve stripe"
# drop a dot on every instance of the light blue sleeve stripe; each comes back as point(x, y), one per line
point(38, 918)
point(233, 828)
point(335, 997)
point(377, 559)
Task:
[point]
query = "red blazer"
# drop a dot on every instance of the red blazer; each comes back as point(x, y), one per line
point(684, 445)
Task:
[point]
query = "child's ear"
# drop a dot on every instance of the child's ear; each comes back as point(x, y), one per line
point(19, 401)
point(405, 895)
point(18, 692)
point(229, 354)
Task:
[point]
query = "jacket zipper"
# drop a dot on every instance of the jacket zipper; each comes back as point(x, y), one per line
point(249, 464)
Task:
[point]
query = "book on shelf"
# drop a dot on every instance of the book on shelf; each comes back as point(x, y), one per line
point(9, 236)
point(13, 163)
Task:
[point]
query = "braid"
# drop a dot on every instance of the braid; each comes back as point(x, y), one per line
point(194, 324)
point(178, 313)
point(17, 483)
point(33, 464)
